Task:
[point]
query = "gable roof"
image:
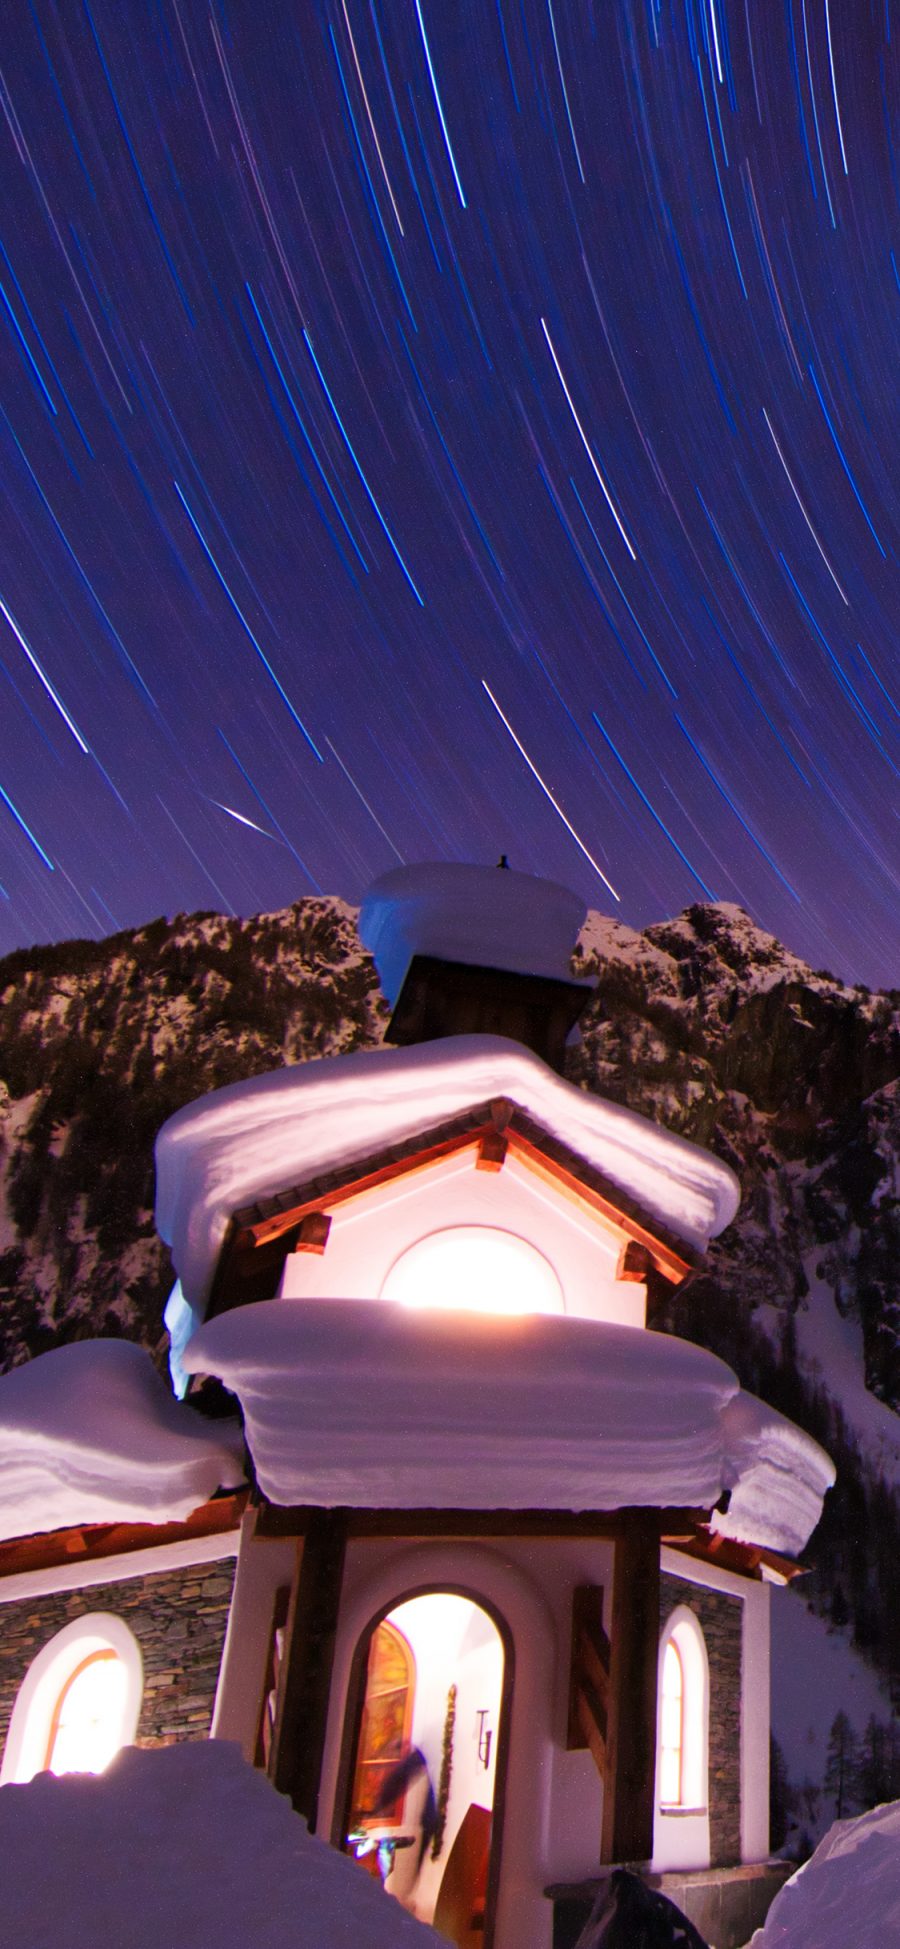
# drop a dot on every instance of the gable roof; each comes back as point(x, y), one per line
point(261, 1137)
point(497, 1129)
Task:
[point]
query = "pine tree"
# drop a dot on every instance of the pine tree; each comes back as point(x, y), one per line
point(841, 1765)
point(874, 1765)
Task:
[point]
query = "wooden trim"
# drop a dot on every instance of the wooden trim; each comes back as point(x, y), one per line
point(254, 1226)
point(269, 1702)
point(312, 1232)
point(304, 1684)
point(630, 1785)
point(264, 1231)
point(89, 1541)
point(492, 1149)
point(675, 1526)
point(589, 1677)
point(602, 1201)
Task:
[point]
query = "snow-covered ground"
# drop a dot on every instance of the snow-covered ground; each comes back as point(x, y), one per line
point(183, 1845)
point(830, 1348)
point(848, 1895)
point(815, 1671)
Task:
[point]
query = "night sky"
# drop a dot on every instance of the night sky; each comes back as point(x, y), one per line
point(439, 428)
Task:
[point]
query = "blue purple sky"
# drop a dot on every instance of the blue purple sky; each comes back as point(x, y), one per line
point(432, 430)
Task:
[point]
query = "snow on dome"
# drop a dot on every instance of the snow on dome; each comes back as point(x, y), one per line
point(472, 914)
point(269, 1132)
point(184, 1844)
point(777, 1475)
point(90, 1434)
point(348, 1402)
point(849, 1892)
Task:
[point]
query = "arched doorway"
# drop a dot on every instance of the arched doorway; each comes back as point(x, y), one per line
point(427, 1761)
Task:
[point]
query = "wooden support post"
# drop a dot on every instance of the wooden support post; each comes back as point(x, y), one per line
point(304, 1687)
point(630, 1783)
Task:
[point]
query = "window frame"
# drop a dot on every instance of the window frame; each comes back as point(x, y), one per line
point(51, 1672)
point(683, 1632)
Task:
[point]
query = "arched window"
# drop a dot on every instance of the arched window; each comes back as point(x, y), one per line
point(79, 1702)
point(683, 1725)
point(671, 1728)
point(478, 1268)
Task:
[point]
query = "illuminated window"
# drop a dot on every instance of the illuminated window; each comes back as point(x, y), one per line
point(671, 1727)
point(683, 1723)
point(79, 1702)
point(86, 1728)
point(476, 1268)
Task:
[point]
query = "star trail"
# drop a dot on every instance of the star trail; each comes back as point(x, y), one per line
point(436, 430)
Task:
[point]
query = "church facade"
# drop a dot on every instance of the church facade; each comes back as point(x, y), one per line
point(492, 1607)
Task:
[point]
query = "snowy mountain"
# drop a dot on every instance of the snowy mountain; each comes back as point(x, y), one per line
point(704, 1023)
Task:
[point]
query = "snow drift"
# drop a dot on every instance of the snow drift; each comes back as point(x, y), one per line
point(849, 1892)
point(186, 1844)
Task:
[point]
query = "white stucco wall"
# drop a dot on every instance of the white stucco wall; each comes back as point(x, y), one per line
point(371, 1231)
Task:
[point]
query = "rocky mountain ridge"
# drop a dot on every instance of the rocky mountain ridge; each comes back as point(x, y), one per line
point(704, 1023)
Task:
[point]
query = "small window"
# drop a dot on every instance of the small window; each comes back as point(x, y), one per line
point(671, 1728)
point(79, 1702)
point(683, 1720)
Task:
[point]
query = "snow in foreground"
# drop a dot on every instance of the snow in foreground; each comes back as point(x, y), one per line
point(848, 1893)
point(186, 1844)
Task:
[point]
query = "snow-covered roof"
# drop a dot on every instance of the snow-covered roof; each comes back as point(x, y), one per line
point(363, 1403)
point(473, 914)
point(184, 1844)
point(271, 1132)
point(776, 1474)
point(849, 1892)
point(90, 1434)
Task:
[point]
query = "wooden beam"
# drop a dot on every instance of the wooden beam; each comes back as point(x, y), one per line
point(312, 1232)
point(492, 1149)
point(304, 1679)
point(631, 1723)
point(584, 1188)
point(589, 1677)
point(90, 1541)
point(273, 1520)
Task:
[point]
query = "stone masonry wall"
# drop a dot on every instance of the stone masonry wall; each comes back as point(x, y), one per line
point(178, 1618)
point(721, 1619)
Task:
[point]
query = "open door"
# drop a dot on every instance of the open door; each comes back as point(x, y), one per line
point(425, 1766)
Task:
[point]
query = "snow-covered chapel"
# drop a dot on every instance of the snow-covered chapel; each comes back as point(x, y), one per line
point(464, 1553)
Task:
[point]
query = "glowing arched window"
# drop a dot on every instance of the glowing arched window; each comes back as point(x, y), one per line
point(683, 1722)
point(86, 1728)
point(477, 1268)
point(671, 1727)
point(79, 1701)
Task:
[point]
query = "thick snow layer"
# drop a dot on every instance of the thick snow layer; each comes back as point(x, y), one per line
point(186, 1844)
point(90, 1434)
point(848, 1895)
point(263, 1135)
point(473, 914)
point(777, 1475)
point(361, 1403)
